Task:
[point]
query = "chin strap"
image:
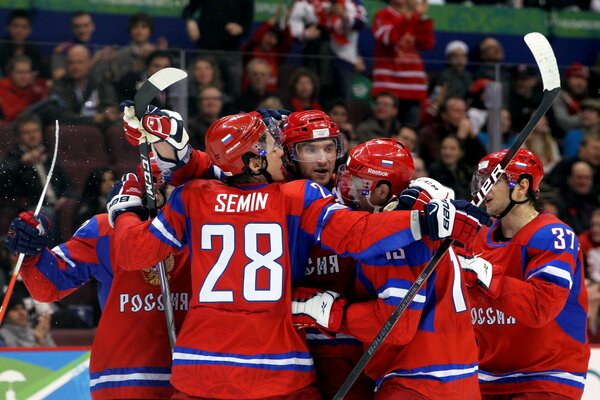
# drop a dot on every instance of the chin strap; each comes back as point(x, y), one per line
point(263, 171)
point(511, 204)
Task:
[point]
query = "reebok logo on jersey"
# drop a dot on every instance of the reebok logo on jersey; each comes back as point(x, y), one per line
point(323, 307)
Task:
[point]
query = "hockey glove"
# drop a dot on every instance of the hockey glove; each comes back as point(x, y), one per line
point(28, 235)
point(421, 191)
point(487, 276)
point(270, 113)
point(165, 125)
point(125, 196)
point(455, 219)
point(312, 308)
point(134, 133)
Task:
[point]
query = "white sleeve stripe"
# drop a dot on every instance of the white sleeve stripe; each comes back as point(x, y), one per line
point(158, 224)
point(400, 293)
point(555, 271)
point(59, 253)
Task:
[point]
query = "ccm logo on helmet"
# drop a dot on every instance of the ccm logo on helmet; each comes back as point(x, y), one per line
point(377, 172)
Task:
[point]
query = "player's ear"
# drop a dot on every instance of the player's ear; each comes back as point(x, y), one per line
point(255, 164)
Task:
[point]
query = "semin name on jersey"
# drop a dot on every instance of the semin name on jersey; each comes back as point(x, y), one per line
point(235, 203)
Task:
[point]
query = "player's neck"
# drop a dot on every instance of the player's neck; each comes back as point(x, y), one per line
point(517, 218)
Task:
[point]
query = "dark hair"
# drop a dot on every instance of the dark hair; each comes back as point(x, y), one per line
point(79, 13)
point(18, 13)
point(140, 18)
point(24, 119)
point(338, 103)
point(390, 95)
point(299, 73)
point(444, 104)
point(10, 65)
point(157, 54)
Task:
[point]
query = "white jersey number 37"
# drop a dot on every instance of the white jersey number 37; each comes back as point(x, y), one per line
point(208, 293)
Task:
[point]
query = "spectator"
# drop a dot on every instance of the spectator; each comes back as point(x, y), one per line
point(409, 137)
point(304, 91)
point(20, 89)
point(541, 142)
point(82, 28)
point(401, 30)
point(383, 123)
point(18, 29)
point(258, 71)
point(210, 107)
point(220, 26)
point(17, 330)
point(566, 110)
point(420, 169)
point(577, 201)
point(203, 71)
point(590, 246)
point(590, 122)
point(338, 112)
point(508, 134)
point(452, 120)
point(93, 200)
point(455, 80)
point(450, 170)
point(133, 57)
point(87, 100)
point(24, 171)
point(129, 84)
point(272, 43)
point(524, 97)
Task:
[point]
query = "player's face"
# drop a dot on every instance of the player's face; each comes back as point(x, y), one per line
point(316, 160)
point(498, 198)
point(274, 155)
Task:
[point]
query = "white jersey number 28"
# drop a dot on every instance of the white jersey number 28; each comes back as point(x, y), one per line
point(208, 293)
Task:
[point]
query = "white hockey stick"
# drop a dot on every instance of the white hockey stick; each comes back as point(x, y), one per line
point(546, 61)
point(149, 90)
point(13, 279)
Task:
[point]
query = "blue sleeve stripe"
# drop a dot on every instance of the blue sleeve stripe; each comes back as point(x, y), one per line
point(165, 232)
point(88, 230)
point(553, 274)
point(325, 215)
point(176, 202)
point(62, 252)
point(388, 243)
point(64, 279)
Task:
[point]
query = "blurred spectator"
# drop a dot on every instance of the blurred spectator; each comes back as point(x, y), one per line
point(477, 110)
point(272, 43)
point(577, 201)
point(17, 330)
point(508, 134)
point(87, 100)
point(455, 80)
point(589, 241)
point(383, 123)
point(93, 199)
point(24, 171)
point(303, 91)
point(420, 169)
point(338, 112)
point(490, 57)
point(210, 108)
point(129, 84)
point(258, 71)
point(401, 30)
point(203, 71)
point(524, 96)
point(133, 57)
point(18, 29)
point(566, 110)
point(409, 137)
point(590, 122)
point(20, 88)
point(450, 170)
point(220, 26)
point(541, 142)
point(452, 120)
point(82, 29)
point(589, 151)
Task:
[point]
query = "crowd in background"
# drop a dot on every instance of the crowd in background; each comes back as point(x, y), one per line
point(440, 114)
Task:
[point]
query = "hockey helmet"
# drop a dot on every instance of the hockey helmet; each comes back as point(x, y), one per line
point(524, 164)
point(308, 126)
point(371, 163)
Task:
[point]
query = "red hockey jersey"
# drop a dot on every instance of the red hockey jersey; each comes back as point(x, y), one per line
point(432, 349)
point(131, 356)
point(247, 245)
point(532, 338)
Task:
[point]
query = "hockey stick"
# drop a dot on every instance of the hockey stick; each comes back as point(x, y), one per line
point(13, 279)
point(149, 90)
point(546, 62)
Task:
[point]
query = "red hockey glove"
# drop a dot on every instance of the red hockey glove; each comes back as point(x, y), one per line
point(28, 235)
point(165, 125)
point(420, 192)
point(458, 220)
point(125, 196)
point(482, 273)
point(134, 132)
point(312, 308)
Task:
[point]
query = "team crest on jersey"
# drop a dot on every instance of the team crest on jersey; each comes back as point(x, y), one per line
point(151, 275)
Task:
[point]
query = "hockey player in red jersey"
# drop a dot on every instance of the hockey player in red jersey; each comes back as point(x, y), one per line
point(529, 305)
point(247, 240)
point(131, 357)
point(431, 352)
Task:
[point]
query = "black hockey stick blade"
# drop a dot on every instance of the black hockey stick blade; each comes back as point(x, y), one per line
point(154, 85)
point(546, 62)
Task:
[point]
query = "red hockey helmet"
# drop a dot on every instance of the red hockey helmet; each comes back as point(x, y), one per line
point(311, 125)
point(230, 137)
point(372, 162)
point(523, 163)
point(156, 174)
